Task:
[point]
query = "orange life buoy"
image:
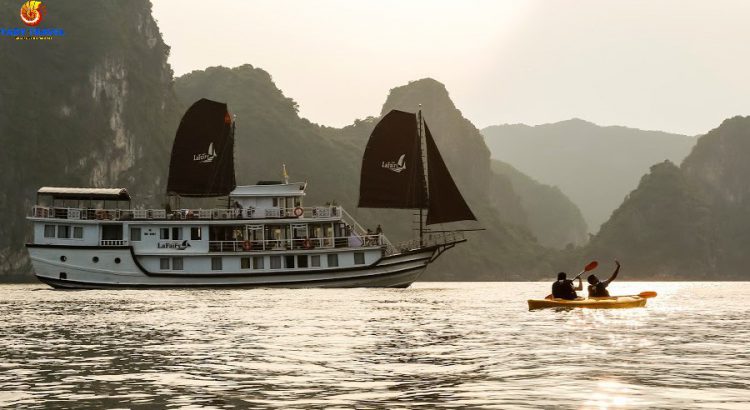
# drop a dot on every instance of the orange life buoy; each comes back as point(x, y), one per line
point(247, 245)
point(307, 244)
point(298, 212)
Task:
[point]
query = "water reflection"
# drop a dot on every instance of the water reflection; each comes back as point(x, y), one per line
point(436, 345)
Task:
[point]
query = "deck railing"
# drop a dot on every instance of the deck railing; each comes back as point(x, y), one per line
point(113, 242)
point(318, 212)
point(296, 244)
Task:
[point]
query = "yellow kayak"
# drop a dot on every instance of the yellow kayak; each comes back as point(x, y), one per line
point(614, 302)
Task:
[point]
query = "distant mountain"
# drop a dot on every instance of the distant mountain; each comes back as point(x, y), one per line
point(687, 222)
point(594, 166)
point(92, 108)
point(554, 219)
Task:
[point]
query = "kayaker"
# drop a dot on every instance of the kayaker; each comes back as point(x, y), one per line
point(563, 288)
point(597, 288)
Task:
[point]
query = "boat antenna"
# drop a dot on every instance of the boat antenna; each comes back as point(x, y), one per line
point(286, 176)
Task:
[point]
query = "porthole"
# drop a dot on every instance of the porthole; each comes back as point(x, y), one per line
point(95, 259)
point(117, 260)
point(63, 258)
point(63, 275)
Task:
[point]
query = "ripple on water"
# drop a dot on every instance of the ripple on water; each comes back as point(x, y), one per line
point(433, 345)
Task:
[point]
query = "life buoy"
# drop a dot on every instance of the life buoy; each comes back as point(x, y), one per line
point(247, 245)
point(306, 243)
point(100, 214)
point(298, 212)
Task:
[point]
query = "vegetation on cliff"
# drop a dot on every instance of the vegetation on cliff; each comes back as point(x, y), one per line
point(91, 108)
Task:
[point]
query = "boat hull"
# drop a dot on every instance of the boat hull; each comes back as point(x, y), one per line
point(617, 302)
point(398, 271)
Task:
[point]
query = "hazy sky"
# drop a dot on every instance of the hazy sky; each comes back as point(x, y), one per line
point(679, 65)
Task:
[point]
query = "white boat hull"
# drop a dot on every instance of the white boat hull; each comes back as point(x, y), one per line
point(399, 270)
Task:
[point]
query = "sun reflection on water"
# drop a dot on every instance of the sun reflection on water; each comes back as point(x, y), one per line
point(434, 345)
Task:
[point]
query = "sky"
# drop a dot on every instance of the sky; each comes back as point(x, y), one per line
point(673, 65)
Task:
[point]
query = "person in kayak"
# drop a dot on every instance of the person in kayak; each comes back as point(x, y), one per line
point(597, 288)
point(563, 288)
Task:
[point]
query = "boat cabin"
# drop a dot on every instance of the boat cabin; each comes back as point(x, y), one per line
point(269, 199)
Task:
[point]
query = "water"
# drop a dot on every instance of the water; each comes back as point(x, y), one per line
point(433, 345)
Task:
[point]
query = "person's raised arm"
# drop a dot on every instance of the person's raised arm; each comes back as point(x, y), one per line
point(580, 284)
point(614, 274)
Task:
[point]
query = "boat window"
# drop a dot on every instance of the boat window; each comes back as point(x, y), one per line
point(333, 260)
point(359, 258)
point(112, 232)
point(275, 262)
point(176, 233)
point(275, 202)
point(135, 234)
point(177, 263)
point(195, 233)
point(216, 263)
point(301, 261)
point(78, 232)
point(257, 262)
point(63, 231)
point(49, 231)
point(289, 261)
point(245, 263)
point(315, 261)
point(164, 233)
point(163, 263)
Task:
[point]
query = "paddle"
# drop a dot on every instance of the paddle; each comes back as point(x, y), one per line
point(588, 268)
point(646, 295)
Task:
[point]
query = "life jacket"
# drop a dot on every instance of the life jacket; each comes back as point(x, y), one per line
point(598, 291)
point(564, 289)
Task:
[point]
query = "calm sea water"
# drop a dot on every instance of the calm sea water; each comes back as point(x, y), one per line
point(454, 345)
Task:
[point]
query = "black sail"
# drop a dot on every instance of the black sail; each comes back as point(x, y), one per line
point(392, 169)
point(446, 202)
point(202, 163)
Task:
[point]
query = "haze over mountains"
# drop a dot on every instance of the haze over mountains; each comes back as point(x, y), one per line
point(595, 166)
point(107, 117)
point(690, 221)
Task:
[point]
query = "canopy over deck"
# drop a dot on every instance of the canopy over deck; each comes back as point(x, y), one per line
point(116, 194)
point(272, 190)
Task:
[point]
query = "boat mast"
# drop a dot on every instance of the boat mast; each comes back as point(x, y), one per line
point(424, 173)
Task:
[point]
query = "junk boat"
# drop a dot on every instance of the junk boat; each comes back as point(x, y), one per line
point(265, 236)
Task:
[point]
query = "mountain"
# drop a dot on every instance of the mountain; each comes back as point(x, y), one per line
point(107, 117)
point(687, 222)
point(594, 166)
point(551, 217)
point(270, 132)
point(91, 108)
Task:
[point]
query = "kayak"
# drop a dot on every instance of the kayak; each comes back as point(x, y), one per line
point(614, 302)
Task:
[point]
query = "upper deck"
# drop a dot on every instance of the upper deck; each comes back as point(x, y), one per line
point(263, 201)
